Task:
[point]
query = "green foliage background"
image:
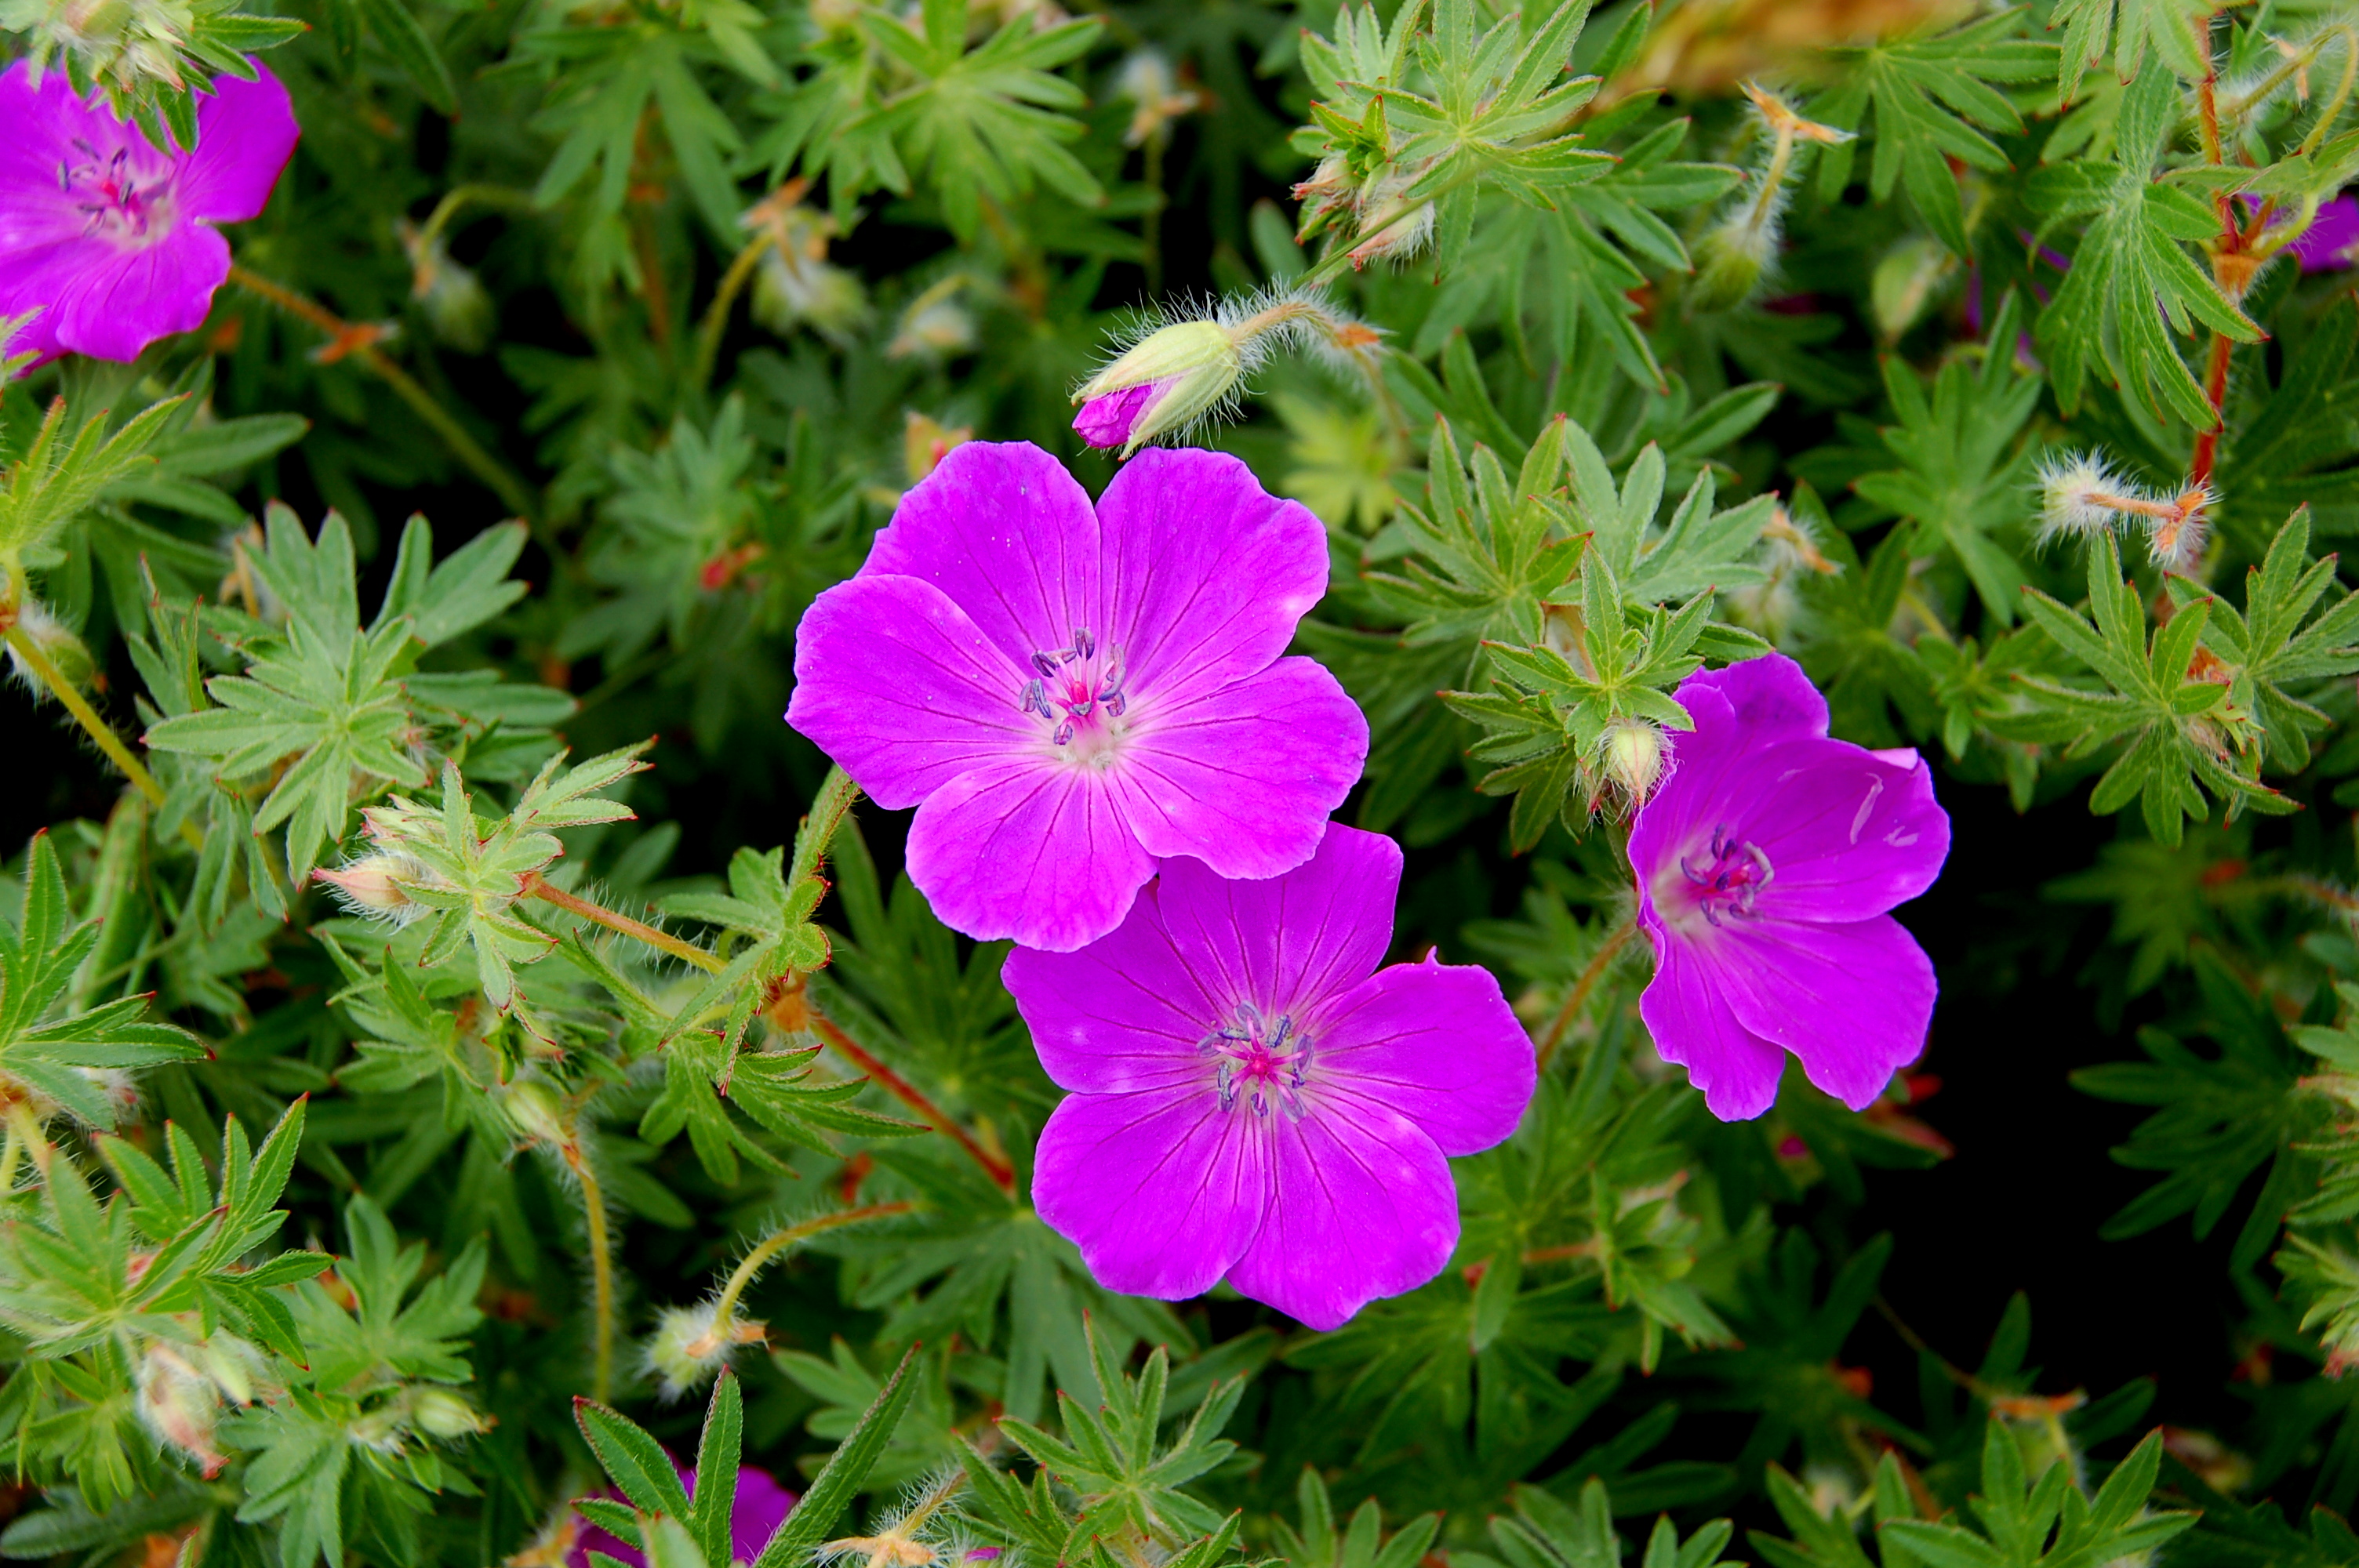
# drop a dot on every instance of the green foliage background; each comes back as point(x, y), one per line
point(328, 1238)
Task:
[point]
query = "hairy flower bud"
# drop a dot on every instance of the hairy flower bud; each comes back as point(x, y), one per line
point(691, 1345)
point(456, 304)
point(537, 1113)
point(1729, 261)
point(49, 636)
point(439, 1413)
point(1904, 282)
point(377, 886)
point(1632, 755)
point(932, 329)
point(1169, 379)
point(179, 1405)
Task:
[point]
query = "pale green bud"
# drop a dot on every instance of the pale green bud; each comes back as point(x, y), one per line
point(537, 1113)
point(456, 304)
point(439, 1413)
point(376, 887)
point(1169, 380)
point(1729, 263)
point(1904, 284)
point(1632, 753)
point(65, 651)
point(691, 1345)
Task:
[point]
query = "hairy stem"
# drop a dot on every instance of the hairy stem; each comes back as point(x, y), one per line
point(97, 729)
point(512, 491)
point(1002, 1174)
point(2215, 393)
point(716, 315)
point(1581, 987)
point(602, 1272)
point(688, 951)
point(725, 1310)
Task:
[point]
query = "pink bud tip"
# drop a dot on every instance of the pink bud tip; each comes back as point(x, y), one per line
point(1107, 421)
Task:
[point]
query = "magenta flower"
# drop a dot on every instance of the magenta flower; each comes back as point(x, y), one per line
point(762, 1505)
point(2332, 241)
point(1067, 697)
point(1766, 863)
point(111, 241)
point(1251, 1098)
point(1108, 420)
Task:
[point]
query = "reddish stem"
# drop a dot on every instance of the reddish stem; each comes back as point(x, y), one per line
point(2215, 392)
point(1001, 1173)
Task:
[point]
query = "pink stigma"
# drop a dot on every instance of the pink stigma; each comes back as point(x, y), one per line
point(1730, 881)
point(1076, 688)
point(112, 200)
point(1258, 1056)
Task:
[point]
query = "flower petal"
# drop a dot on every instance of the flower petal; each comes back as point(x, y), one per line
point(246, 133)
point(1028, 849)
point(1686, 1009)
point(1361, 1206)
point(1243, 778)
point(896, 683)
point(1436, 1044)
point(1769, 698)
point(1853, 1001)
point(1288, 942)
point(1206, 573)
point(1004, 530)
point(110, 304)
point(1124, 1014)
point(1849, 833)
point(1161, 1192)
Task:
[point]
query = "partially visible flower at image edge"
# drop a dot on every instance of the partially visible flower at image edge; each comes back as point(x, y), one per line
point(1767, 861)
point(1253, 1098)
point(110, 240)
point(762, 1505)
point(1069, 694)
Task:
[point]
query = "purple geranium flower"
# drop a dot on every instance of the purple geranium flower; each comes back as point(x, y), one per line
point(1766, 863)
point(1107, 420)
point(111, 241)
point(2332, 241)
point(1252, 1097)
point(762, 1505)
point(1068, 695)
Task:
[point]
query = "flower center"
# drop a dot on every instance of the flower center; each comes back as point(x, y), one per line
point(1259, 1059)
point(1078, 689)
point(116, 203)
point(1724, 880)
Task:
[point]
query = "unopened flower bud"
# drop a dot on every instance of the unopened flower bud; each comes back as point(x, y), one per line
point(1904, 284)
point(456, 304)
point(932, 329)
point(1631, 753)
point(66, 652)
point(537, 1113)
point(925, 442)
point(691, 1345)
point(439, 1413)
point(177, 1404)
point(378, 886)
point(235, 1367)
point(1169, 379)
point(792, 290)
point(1729, 263)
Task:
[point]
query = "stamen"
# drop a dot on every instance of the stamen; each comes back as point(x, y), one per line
point(1731, 881)
point(1251, 1054)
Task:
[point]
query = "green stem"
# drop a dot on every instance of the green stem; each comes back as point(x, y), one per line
point(511, 491)
point(725, 1310)
point(1581, 987)
point(97, 729)
point(11, 1156)
point(664, 940)
point(458, 196)
point(602, 1275)
point(716, 315)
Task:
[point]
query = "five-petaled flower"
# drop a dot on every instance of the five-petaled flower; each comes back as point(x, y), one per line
point(1766, 863)
point(1068, 695)
point(1252, 1097)
point(110, 240)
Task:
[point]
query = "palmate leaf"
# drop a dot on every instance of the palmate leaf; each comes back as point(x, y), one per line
point(390, 1335)
point(1963, 468)
point(1546, 1531)
point(1929, 91)
point(1498, 117)
point(2185, 732)
point(2177, 31)
point(2268, 648)
point(986, 123)
point(44, 1047)
point(2132, 282)
point(58, 478)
